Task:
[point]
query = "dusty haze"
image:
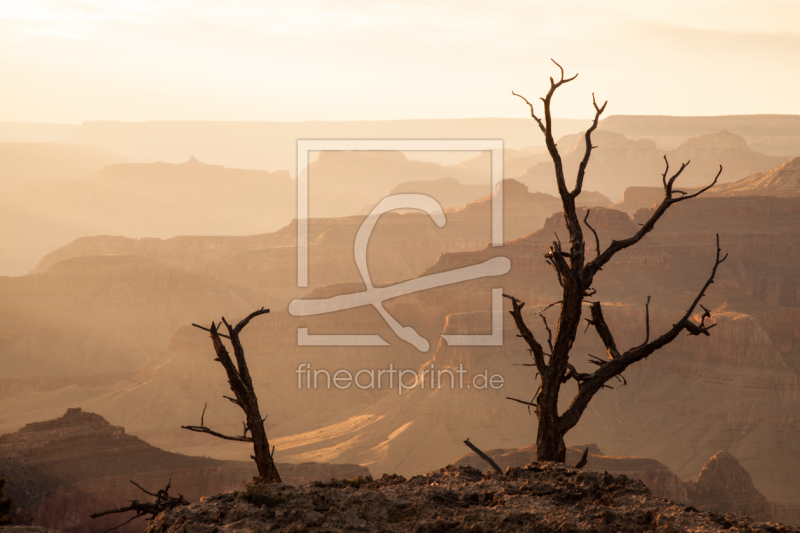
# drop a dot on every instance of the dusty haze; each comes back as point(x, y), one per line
point(148, 182)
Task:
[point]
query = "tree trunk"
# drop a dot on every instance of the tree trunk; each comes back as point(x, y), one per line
point(575, 275)
point(262, 454)
point(549, 438)
point(550, 444)
point(244, 396)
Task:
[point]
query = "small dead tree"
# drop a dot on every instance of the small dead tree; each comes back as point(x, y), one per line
point(163, 502)
point(244, 396)
point(576, 275)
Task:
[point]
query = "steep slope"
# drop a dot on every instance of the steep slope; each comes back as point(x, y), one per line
point(783, 181)
point(62, 470)
point(724, 486)
point(393, 255)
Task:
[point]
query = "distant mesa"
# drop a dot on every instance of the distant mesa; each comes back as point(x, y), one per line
point(768, 134)
point(707, 152)
point(82, 463)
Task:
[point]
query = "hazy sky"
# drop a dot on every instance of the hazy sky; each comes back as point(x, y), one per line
point(72, 61)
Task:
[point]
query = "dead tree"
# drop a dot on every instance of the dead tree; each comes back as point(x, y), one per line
point(576, 275)
point(163, 502)
point(244, 396)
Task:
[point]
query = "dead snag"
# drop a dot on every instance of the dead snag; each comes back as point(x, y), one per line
point(483, 456)
point(163, 502)
point(244, 396)
point(582, 462)
point(575, 274)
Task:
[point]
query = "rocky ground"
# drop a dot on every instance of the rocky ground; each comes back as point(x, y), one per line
point(539, 497)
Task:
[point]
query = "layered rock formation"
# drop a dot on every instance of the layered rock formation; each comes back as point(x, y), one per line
point(619, 162)
point(616, 164)
point(769, 134)
point(62, 470)
point(736, 390)
point(707, 152)
point(137, 200)
point(724, 486)
point(272, 145)
point(783, 181)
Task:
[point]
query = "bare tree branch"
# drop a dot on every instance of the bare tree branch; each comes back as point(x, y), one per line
point(536, 348)
point(619, 363)
point(588, 140)
point(203, 429)
point(244, 396)
point(596, 238)
point(209, 330)
point(533, 113)
point(599, 323)
point(483, 456)
point(246, 320)
point(163, 502)
point(616, 246)
point(582, 462)
point(576, 276)
point(646, 322)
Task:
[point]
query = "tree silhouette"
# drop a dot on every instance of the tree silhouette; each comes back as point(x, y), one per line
point(244, 396)
point(576, 275)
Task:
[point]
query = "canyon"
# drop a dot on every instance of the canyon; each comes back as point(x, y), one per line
point(104, 322)
point(63, 470)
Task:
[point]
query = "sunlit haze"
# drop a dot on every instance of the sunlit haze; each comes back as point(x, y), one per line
point(66, 62)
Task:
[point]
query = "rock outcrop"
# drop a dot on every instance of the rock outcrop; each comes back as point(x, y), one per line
point(724, 486)
point(60, 471)
point(656, 476)
point(783, 180)
point(545, 498)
